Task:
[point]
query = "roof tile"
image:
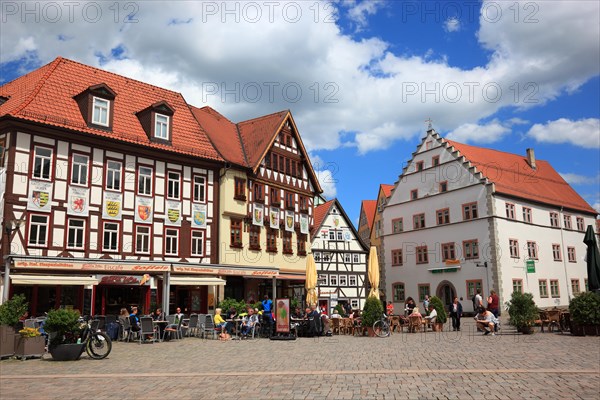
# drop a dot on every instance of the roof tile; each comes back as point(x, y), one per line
point(513, 176)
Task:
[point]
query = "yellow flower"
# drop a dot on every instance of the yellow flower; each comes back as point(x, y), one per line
point(29, 332)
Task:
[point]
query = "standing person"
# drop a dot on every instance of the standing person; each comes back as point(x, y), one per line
point(390, 308)
point(456, 313)
point(478, 302)
point(348, 309)
point(494, 303)
point(267, 312)
point(426, 303)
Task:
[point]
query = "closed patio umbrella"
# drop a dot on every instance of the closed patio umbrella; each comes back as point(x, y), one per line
point(373, 273)
point(593, 259)
point(311, 281)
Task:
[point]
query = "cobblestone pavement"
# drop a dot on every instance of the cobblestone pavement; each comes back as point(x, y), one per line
point(450, 365)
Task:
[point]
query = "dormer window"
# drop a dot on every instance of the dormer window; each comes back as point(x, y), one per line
point(161, 126)
point(100, 111)
point(157, 121)
point(96, 104)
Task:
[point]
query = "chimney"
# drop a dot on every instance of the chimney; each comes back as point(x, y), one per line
point(531, 158)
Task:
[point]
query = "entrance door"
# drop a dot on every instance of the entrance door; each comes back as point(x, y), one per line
point(446, 292)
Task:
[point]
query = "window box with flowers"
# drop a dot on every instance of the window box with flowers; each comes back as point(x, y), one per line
point(29, 343)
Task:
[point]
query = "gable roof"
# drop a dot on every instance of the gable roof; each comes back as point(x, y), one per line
point(257, 134)
point(320, 214)
point(46, 96)
point(512, 175)
point(369, 207)
point(246, 143)
point(387, 189)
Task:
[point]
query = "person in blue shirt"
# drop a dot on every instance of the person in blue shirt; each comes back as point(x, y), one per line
point(268, 311)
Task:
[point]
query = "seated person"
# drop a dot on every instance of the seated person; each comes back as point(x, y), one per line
point(390, 308)
point(159, 315)
point(409, 306)
point(432, 317)
point(219, 321)
point(248, 323)
point(232, 313)
point(486, 321)
point(297, 314)
point(415, 312)
point(335, 314)
point(134, 319)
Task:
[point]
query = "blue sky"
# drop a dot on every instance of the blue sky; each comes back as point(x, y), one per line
point(360, 77)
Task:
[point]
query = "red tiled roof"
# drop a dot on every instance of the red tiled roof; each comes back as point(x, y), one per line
point(387, 189)
point(513, 176)
point(46, 95)
point(320, 212)
point(258, 133)
point(369, 207)
point(222, 133)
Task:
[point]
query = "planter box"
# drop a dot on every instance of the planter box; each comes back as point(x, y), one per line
point(67, 352)
point(591, 330)
point(30, 346)
point(577, 330)
point(7, 341)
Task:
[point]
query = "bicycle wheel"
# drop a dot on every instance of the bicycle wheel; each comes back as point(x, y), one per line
point(381, 328)
point(98, 346)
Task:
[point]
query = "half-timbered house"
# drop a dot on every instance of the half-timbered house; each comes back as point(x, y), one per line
point(340, 257)
point(111, 193)
point(266, 202)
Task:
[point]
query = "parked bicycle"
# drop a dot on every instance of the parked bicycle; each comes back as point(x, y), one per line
point(97, 344)
point(382, 327)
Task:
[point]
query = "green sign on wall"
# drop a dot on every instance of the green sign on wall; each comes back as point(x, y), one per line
point(530, 264)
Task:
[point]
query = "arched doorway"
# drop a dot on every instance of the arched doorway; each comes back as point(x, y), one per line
point(446, 292)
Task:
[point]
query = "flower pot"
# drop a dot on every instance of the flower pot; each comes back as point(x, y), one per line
point(7, 341)
point(29, 346)
point(66, 352)
point(577, 330)
point(437, 327)
point(526, 330)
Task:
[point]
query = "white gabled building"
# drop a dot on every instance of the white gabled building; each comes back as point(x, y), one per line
point(463, 217)
point(340, 256)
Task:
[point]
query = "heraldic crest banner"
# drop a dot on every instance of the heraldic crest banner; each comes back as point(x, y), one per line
point(112, 205)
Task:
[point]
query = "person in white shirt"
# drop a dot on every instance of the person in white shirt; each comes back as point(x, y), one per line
point(432, 317)
point(486, 321)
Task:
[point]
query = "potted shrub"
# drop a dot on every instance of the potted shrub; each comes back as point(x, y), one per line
point(30, 343)
point(585, 314)
point(63, 328)
point(522, 312)
point(10, 312)
point(442, 317)
point(372, 311)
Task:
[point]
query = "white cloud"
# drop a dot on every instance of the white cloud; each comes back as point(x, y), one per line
point(353, 90)
point(359, 11)
point(582, 133)
point(474, 133)
point(596, 206)
point(576, 179)
point(452, 24)
point(328, 183)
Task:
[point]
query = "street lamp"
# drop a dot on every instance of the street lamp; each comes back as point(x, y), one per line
point(12, 225)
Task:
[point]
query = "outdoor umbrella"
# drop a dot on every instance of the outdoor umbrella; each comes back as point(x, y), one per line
point(374, 273)
point(593, 259)
point(311, 281)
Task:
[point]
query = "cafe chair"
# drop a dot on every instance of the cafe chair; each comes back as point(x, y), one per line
point(125, 331)
point(192, 325)
point(147, 329)
point(335, 326)
point(208, 326)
